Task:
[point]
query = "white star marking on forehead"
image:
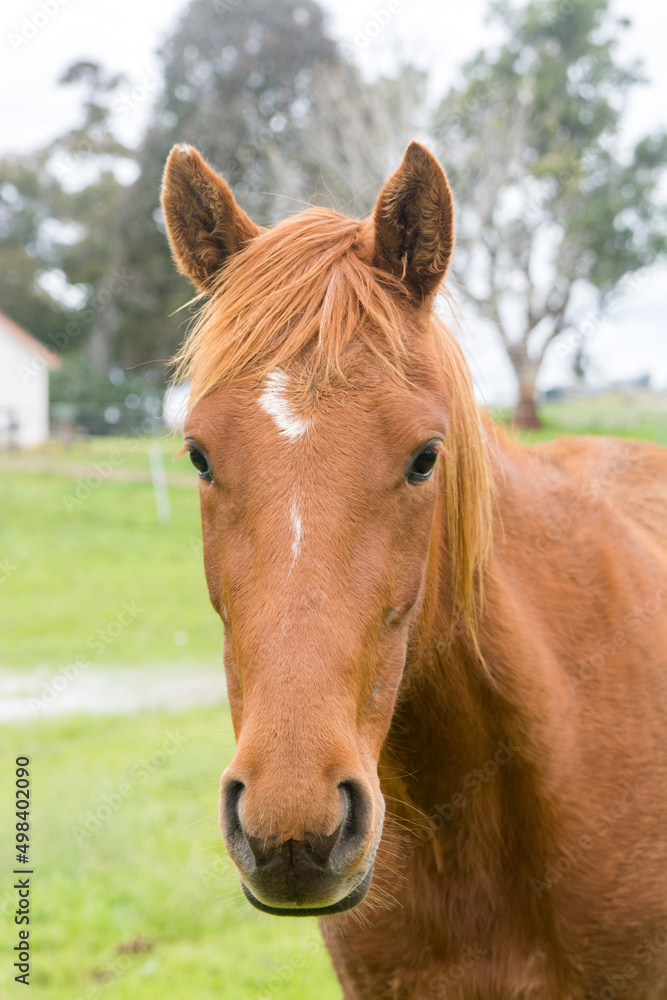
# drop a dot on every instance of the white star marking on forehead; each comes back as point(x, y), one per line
point(274, 401)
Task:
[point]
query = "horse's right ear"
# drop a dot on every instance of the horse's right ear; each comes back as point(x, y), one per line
point(205, 226)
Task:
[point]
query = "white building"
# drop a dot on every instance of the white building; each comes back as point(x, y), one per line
point(24, 386)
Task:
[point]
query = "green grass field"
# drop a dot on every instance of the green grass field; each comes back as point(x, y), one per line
point(80, 547)
point(133, 898)
point(642, 415)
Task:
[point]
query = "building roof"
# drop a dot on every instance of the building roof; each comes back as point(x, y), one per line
point(30, 342)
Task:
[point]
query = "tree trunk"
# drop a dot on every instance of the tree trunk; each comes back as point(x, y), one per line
point(526, 415)
point(105, 324)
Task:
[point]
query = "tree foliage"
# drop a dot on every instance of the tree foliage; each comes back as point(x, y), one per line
point(29, 199)
point(57, 231)
point(554, 207)
point(238, 85)
point(551, 204)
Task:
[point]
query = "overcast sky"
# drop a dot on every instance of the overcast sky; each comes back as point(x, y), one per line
point(438, 34)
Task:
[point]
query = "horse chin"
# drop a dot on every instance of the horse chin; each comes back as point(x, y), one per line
point(346, 903)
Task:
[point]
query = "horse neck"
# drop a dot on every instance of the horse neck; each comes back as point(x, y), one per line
point(457, 715)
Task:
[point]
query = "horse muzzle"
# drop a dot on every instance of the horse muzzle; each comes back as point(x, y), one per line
point(313, 874)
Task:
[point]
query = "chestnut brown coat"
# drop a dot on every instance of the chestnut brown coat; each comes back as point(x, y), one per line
point(446, 655)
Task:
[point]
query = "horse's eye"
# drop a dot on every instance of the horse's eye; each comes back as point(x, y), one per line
point(201, 464)
point(421, 467)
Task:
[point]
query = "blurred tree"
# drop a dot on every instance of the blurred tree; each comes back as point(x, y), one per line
point(238, 85)
point(550, 203)
point(89, 161)
point(264, 92)
point(29, 247)
point(357, 132)
point(58, 212)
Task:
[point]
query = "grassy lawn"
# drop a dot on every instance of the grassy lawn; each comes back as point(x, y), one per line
point(122, 452)
point(641, 415)
point(77, 551)
point(132, 897)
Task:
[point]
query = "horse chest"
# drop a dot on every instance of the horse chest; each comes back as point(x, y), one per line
point(437, 938)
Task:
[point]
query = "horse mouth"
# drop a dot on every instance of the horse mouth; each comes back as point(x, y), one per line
point(346, 903)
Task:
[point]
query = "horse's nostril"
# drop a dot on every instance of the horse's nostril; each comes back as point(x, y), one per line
point(321, 846)
point(230, 815)
point(231, 799)
point(357, 815)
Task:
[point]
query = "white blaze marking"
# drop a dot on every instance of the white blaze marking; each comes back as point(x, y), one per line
point(274, 401)
point(297, 531)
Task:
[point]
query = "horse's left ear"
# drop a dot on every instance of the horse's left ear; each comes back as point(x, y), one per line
point(414, 223)
point(204, 224)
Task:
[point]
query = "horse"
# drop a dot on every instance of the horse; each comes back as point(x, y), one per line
point(445, 653)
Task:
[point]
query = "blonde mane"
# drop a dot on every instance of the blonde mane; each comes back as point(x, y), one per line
point(307, 288)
